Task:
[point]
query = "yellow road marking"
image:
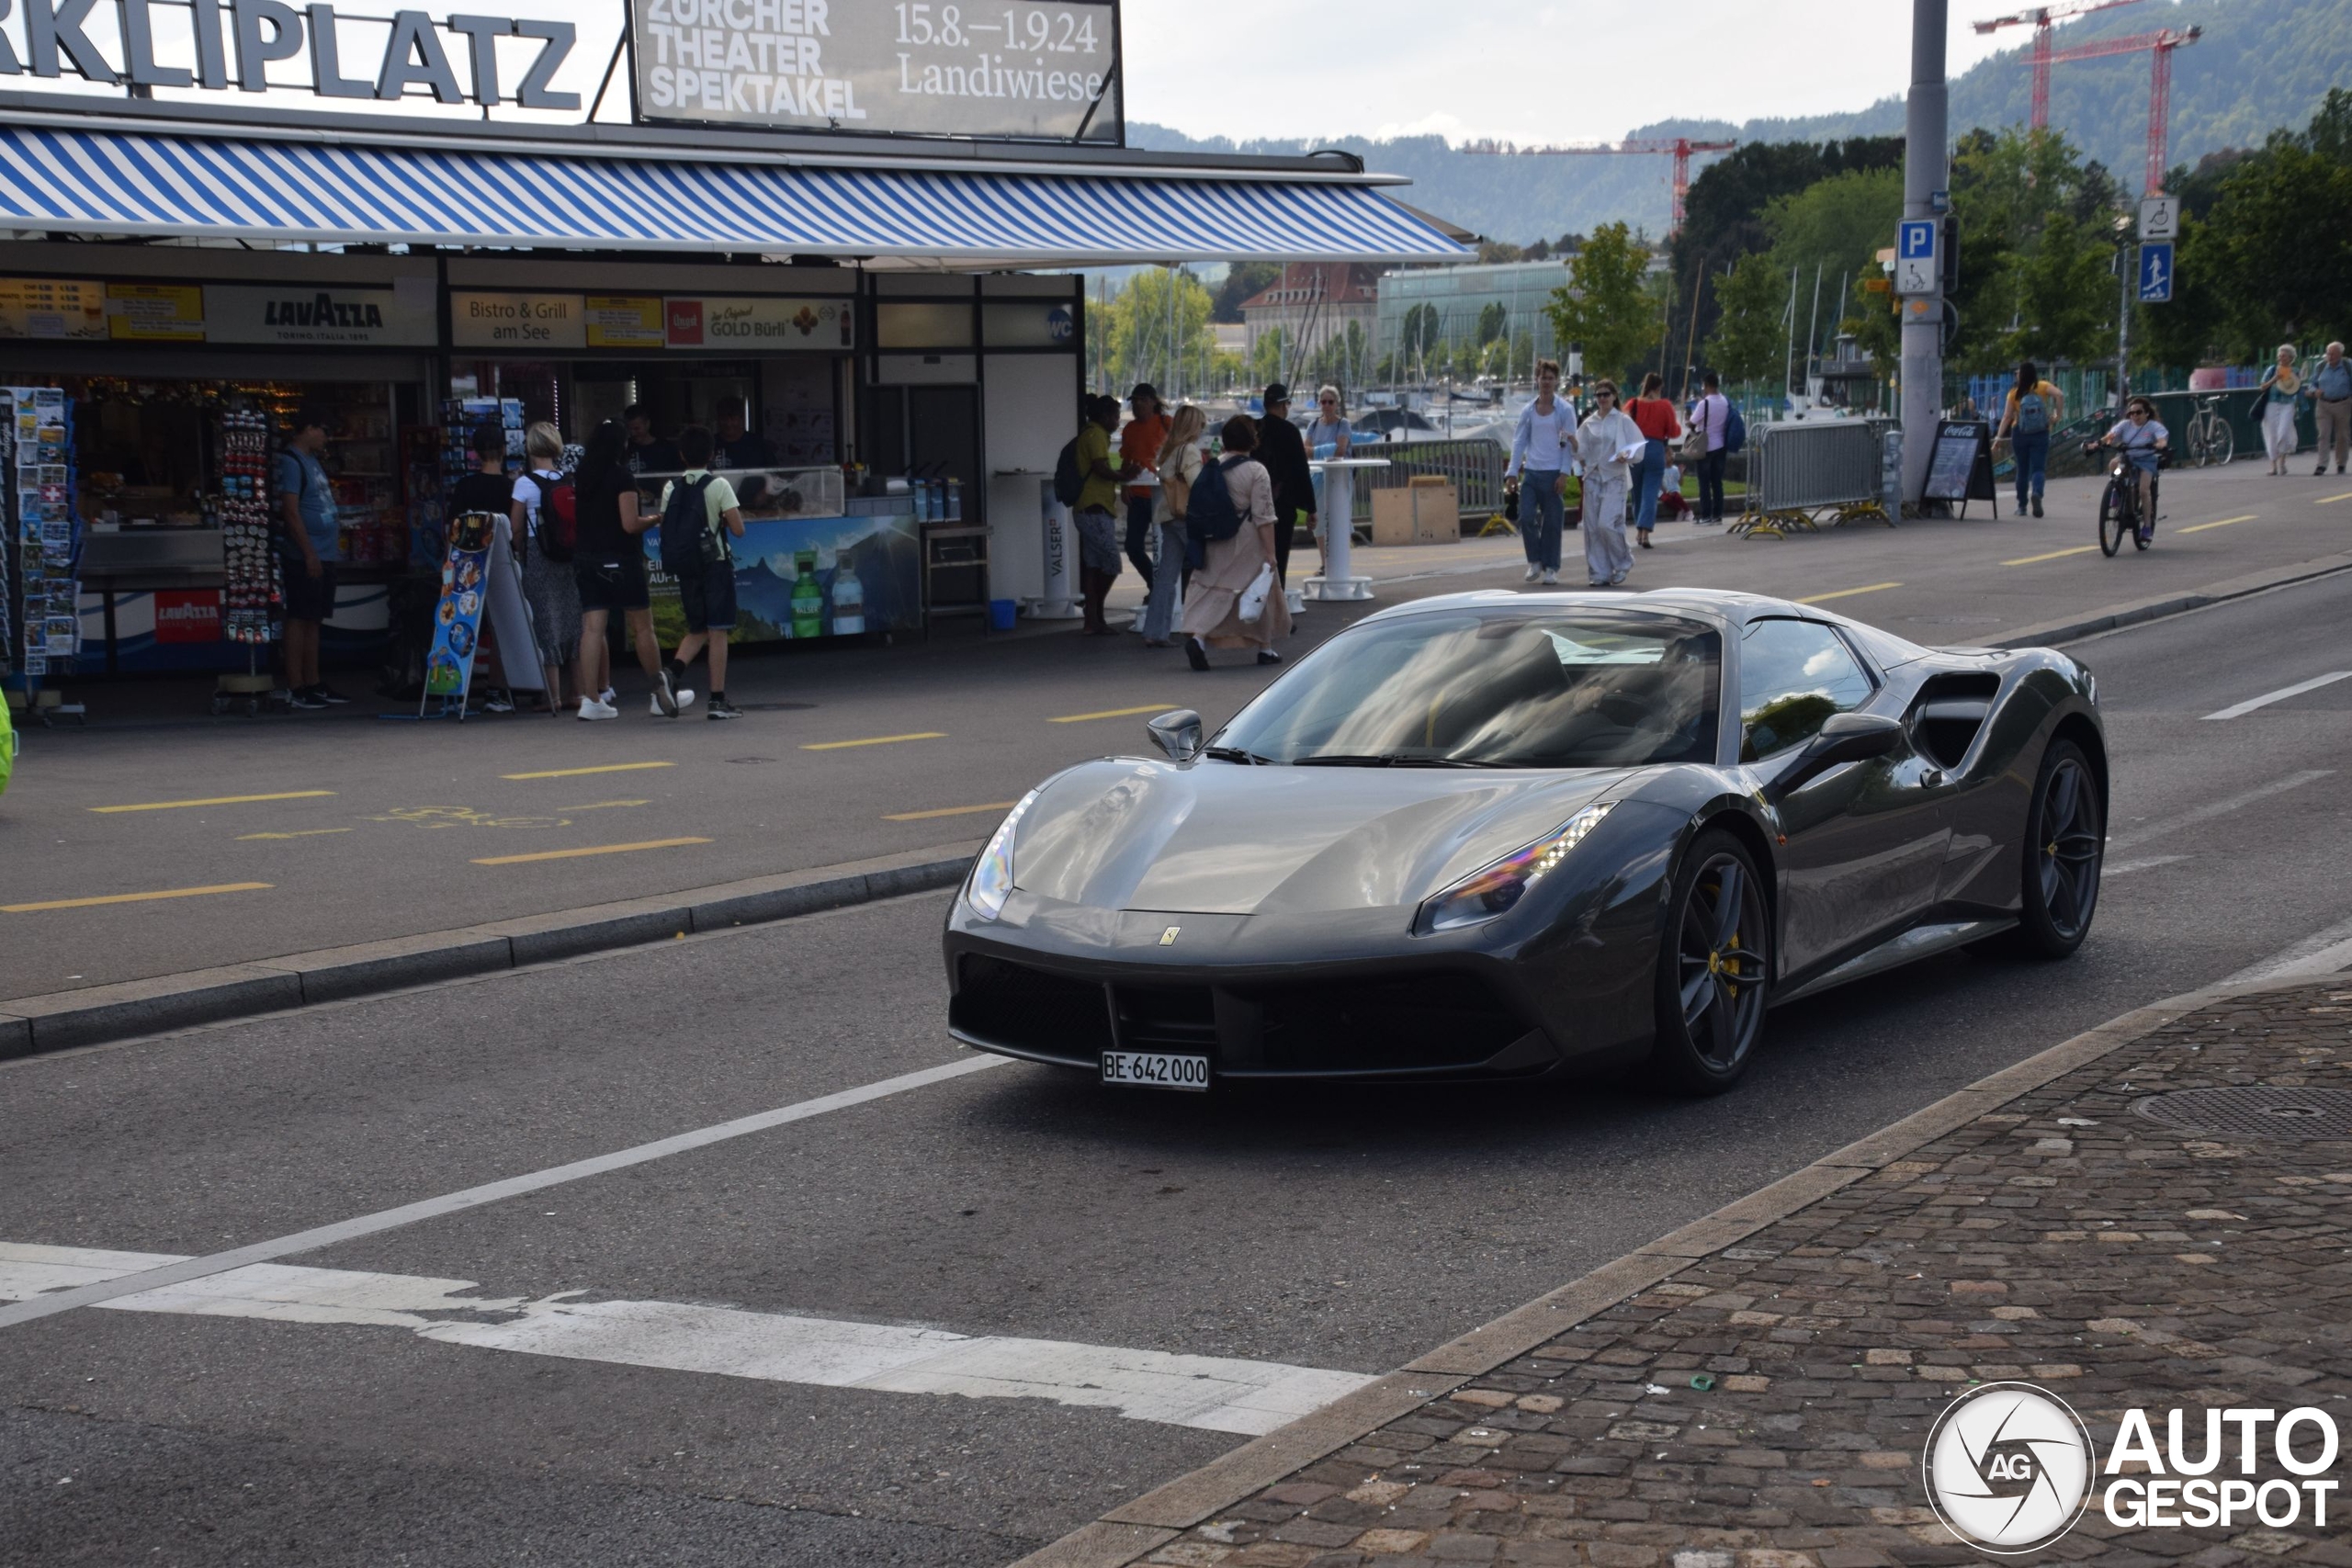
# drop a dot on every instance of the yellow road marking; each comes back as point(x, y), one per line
point(2332, 500)
point(1112, 713)
point(2224, 522)
point(2053, 555)
point(876, 740)
point(132, 897)
point(949, 811)
point(576, 773)
point(306, 833)
point(603, 805)
point(1847, 592)
point(592, 850)
point(216, 800)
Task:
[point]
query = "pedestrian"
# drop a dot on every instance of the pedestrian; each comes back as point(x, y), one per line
point(487, 488)
point(648, 453)
point(1098, 532)
point(2332, 394)
point(1177, 464)
point(549, 586)
point(1653, 414)
point(1327, 437)
point(738, 445)
point(1139, 445)
point(706, 571)
point(1282, 451)
point(2034, 409)
point(308, 548)
point(1711, 415)
point(1606, 441)
point(609, 571)
point(1231, 568)
point(1542, 449)
point(2280, 388)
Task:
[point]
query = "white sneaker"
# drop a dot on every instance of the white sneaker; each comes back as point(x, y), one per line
point(609, 697)
point(589, 708)
point(1532, 572)
point(1551, 579)
point(685, 698)
point(1619, 581)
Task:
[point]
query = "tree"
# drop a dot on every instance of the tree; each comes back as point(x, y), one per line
point(2285, 248)
point(2065, 295)
point(1146, 335)
point(1242, 279)
point(1493, 321)
point(1750, 341)
point(1610, 305)
point(1837, 225)
point(1267, 356)
point(1417, 336)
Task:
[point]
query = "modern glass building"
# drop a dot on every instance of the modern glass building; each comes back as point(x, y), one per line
point(1459, 298)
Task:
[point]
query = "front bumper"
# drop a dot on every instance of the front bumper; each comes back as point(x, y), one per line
point(1261, 1001)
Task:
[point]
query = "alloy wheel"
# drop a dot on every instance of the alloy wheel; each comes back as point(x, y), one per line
point(2070, 848)
point(1723, 963)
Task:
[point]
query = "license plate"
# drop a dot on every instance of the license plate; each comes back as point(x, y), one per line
point(1150, 1069)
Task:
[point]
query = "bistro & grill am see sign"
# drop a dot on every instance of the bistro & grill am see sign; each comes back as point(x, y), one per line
point(1030, 69)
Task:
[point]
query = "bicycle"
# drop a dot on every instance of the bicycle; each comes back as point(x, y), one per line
point(2119, 504)
point(2210, 438)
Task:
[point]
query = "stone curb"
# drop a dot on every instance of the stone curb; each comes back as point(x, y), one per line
point(2130, 614)
point(58, 1021)
point(1131, 1532)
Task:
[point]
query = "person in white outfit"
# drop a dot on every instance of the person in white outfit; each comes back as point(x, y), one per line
point(2280, 388)
point(1603, 440)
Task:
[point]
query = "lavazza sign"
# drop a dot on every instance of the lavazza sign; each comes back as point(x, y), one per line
point(1030, 69)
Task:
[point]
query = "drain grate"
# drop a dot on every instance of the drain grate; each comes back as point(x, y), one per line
point(2256, 1110)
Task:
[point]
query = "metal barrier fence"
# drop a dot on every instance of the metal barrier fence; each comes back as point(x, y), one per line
point(1800, 467)
point(1474, 467)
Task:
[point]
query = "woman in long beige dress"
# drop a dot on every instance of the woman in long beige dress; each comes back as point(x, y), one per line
point(1213, 601)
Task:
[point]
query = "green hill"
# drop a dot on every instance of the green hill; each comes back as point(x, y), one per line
point(2261, 64)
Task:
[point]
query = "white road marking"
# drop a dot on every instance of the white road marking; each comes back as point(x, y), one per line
point(2281, 695)
point(2322, 952)
point(2223, 807)
point(1216, 1393)
point(181, 1270)
point(2148, 863)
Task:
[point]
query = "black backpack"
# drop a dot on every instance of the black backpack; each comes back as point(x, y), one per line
point(686, 543)
point(1069, 479)
point(1212, 514)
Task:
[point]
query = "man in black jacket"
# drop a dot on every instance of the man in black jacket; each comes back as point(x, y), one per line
point(1283, 452)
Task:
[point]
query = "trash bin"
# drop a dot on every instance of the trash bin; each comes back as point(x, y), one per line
point(1000, 614)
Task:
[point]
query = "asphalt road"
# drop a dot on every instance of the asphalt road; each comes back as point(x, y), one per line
point(364, 828)
point(674, 1411)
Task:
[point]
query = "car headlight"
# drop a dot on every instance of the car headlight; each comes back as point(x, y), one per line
point(992, 882)
point(1497, 888)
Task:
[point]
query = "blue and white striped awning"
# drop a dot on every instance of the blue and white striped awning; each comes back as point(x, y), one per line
point(136, 183)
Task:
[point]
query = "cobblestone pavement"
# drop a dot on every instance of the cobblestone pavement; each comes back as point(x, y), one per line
point(1766, 1405)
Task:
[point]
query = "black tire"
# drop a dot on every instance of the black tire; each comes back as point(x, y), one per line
point(1714, 967)
point(2065, 839)
point(2111, 523)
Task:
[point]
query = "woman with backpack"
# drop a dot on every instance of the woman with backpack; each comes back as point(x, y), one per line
point(1177, 464)
point(1235, 601)
point(545, 512)
point(2034, 409)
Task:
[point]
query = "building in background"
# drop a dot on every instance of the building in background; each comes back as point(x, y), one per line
point(1468, 308)
point(1314, 303)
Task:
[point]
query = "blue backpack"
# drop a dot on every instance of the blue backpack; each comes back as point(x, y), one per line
point(1212, 514)
point(2033, 415)
point(1735, 429)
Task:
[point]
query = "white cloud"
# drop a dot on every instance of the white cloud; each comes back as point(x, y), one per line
point(1477, 68)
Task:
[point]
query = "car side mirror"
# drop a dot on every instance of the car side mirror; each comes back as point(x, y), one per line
point(1177, 733)
point(1843, 738)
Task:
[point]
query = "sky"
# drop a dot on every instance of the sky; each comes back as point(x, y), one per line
point(1528, 73)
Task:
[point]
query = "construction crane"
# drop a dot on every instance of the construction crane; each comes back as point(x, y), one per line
point(1678, 147)
point(2039, 18)
point(2159, 46)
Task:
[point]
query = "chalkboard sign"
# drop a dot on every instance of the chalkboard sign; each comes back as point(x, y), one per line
point(1960, 467)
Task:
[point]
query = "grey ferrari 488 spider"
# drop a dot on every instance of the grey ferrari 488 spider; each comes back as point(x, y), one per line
point(1503, 835)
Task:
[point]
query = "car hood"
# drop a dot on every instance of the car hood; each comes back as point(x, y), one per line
point(1225, 838)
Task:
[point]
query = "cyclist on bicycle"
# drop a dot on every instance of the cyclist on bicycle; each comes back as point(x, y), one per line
point(2143, 441)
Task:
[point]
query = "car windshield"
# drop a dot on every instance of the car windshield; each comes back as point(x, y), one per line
point(1501, 688)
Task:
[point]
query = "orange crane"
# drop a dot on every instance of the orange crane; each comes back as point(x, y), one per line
point(2039, 18)
point(1680, 147)
point(2159, 47)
